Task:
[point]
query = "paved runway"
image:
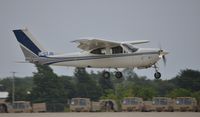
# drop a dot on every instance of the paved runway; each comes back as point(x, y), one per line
point(106, 114)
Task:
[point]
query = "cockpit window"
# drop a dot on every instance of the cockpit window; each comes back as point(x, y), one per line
point(113, 50)
point(117, 50)
point(130, 47)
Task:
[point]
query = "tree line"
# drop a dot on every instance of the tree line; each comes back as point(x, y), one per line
point(46, 86)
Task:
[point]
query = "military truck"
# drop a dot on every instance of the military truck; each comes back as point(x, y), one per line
point(148, 106)
point(185, 104)
point(132, 104)
point(80, 105)
point(39, 107)
point(17, 107)
point(160, 104)
point(108, 105)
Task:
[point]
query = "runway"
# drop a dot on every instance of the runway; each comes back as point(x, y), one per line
point(105, 114)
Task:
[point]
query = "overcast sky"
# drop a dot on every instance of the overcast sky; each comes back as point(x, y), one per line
point(175, 24)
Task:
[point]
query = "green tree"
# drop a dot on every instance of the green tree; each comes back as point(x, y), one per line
point(48, 87)
point(22, 86)
point(105, 84)
point(188, 79)
point(180, 92)
point(147, 93)
point(86, 86)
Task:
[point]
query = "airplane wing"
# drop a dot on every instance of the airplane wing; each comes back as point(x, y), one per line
point(137, 42)
point(91, 44)
point(94, 43)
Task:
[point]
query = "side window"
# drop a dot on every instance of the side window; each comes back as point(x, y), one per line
point(98, 51)
point(117, 50)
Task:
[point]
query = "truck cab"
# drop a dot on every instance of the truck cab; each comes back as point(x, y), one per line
point(185, 104)
point(132, 104)
point(80, 105)
point(162, 104)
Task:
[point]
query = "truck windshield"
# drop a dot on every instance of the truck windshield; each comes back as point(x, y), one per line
point(82, 102)
point(131, 101)
point(74, 102)
point(182, 101)
point(160, 101)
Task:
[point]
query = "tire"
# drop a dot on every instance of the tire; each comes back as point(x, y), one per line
point(157, 75)
point(118, 75)
point(3, 108)
point(106, 74)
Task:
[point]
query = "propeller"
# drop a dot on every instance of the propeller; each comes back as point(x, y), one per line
point(162, 54)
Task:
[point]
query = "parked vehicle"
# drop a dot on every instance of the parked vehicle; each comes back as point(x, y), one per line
point(162, 104)
point(39, 107)
point(108, 105)
point(185, 104)
point(80, 105)
point(132, 104)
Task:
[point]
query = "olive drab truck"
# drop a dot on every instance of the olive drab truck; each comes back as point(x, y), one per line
point(148, 106)
point(185, 104)
point(80, 105)
point(160, 104)
point(132, 104)
point(108, 105)
point(39, 107)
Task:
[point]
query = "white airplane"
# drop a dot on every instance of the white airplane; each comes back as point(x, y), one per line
point(97, 53)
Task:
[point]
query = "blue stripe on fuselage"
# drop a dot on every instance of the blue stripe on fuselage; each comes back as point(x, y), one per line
point(25, 41)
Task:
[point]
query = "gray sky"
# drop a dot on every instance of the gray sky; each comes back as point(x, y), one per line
point(173, 23)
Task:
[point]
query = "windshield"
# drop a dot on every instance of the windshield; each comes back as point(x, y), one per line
point(182, 101)
point(74, 102)
point(82, 102)
point(131, 101)
point(130, 47)
point(160, 101)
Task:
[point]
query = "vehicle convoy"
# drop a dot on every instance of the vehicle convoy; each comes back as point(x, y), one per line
point(185, 104)
point(132, 104)
point(162, 104)
point(85, 105)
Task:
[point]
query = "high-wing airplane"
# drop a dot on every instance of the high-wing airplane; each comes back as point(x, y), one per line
point(97, 53)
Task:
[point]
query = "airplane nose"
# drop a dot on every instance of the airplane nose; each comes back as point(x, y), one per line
point(162, 54)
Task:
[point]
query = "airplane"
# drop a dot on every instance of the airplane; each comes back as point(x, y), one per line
point(97, 53)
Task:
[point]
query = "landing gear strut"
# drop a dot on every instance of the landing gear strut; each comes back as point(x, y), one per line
point(157, 74)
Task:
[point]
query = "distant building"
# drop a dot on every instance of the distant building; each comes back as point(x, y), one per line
point(3, 93)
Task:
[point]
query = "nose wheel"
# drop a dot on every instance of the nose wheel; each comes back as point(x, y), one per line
point(157, 74)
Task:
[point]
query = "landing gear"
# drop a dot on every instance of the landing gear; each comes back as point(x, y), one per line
point(157, 74)
point(118, 74)
point(106, 74)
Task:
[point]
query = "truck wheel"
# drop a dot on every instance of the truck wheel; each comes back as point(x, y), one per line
point(3, 108)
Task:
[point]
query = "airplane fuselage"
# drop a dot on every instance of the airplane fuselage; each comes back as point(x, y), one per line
point(144, 58)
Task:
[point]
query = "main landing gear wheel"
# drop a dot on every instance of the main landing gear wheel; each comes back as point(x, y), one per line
point(106, 74)
point(157, 75)
point(118, 74)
